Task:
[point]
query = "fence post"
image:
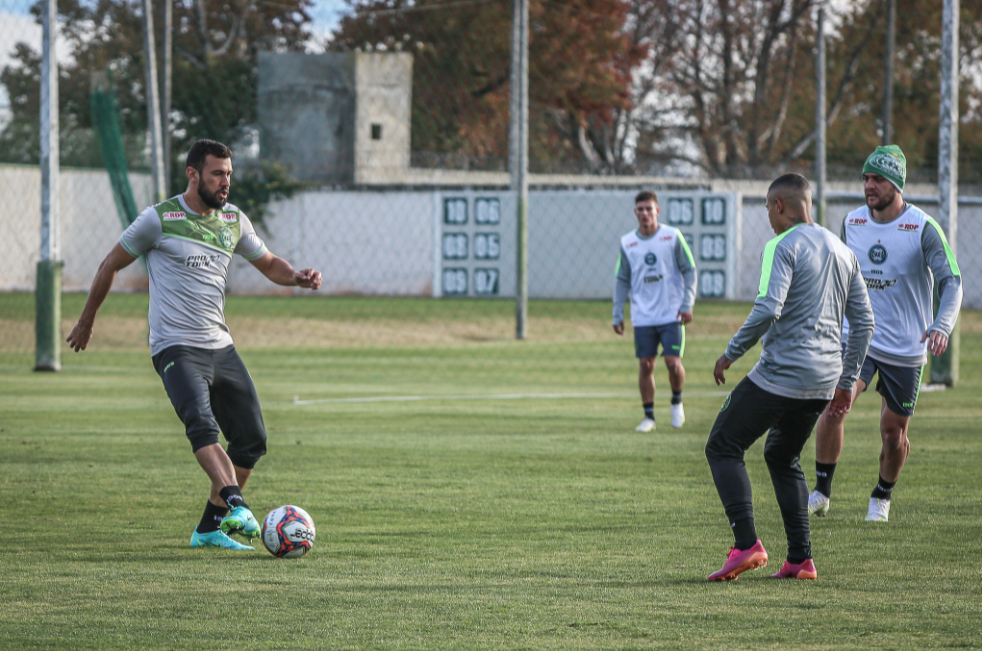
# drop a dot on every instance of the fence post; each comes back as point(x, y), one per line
point(820, 171)
point(519, 157)
point(944, 369)
point(47, 288)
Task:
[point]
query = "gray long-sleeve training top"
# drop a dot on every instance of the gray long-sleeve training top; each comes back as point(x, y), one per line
point(809, 280)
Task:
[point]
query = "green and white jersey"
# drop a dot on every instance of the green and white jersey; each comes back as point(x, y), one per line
point(660, 275)
point(187, 259)
point(900, 261)
point(809, 280)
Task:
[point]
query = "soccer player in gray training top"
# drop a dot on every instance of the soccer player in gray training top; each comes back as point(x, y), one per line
point(808, 281)
point(189, 241)
point(902, 252)
point(655, 266)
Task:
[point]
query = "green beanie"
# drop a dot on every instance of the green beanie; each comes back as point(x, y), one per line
point(890, 163)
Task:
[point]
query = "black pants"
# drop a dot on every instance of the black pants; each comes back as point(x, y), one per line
point(211, 389)
point(747, 414)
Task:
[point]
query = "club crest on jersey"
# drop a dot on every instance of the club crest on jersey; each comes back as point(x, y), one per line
point(650, 259)
point(229, 217)
point(174, 216)
point(877, 254)
point(226, 238)
point(908, 228)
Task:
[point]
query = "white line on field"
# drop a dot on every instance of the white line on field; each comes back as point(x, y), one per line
point(502, 396)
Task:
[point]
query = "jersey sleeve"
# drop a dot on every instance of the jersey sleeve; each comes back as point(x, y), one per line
point(777, 269)
point(250, 245)
point(940, 258)
point(687, 267)
point(859, 312)
point(143, 234)
point(622, 286)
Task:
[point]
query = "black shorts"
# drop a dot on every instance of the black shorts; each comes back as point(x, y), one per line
point(671, 336)
point(899, 385)
point(212, 390)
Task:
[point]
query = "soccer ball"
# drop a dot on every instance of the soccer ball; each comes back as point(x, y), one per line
point(288, 532)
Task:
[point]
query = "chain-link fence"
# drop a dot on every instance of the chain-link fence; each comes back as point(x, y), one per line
point(376, 147)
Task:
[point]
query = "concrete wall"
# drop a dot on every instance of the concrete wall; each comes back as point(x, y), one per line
point(90, 226)
point(336, 118)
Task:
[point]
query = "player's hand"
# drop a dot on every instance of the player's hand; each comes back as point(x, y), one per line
point(619, 328)
point(685, 317)
point(722, 364)
point(310, 278)
point(841, 403)
point(80, 336)
point(937, 342)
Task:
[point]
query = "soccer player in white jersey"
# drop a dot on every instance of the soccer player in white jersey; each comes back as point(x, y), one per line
point(188, 241)
point(903, 252)
point(656, 268)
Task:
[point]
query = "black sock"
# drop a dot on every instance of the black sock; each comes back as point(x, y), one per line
point(883, 489)
point(649, 410)
point(676, 397)
point(212, 518)
point(745, 534)
point(232, 496)
point(824, 472)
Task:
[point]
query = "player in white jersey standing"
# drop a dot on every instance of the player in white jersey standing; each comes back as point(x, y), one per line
point(902, 252)
point(189, 241)
point(656, 267)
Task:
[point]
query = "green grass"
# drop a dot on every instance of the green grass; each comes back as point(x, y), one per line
point(460, 522)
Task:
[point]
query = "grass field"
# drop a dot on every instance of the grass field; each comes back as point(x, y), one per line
point(470, 492)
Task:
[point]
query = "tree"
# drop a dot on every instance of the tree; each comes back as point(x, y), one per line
point(579, 76)
point(215, 44)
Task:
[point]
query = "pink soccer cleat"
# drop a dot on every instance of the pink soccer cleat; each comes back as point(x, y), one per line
point(739, 561)
point(803, 570)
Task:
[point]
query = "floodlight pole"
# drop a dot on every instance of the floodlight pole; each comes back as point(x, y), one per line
point(166, 89)
point(944, 369)
point(152, 89)
point(519, 156)
point(820, 117)
point(47, 289)
point(888, 73)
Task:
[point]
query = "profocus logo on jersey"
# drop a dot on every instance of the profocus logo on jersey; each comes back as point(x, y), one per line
point(908, 228)
point(200, 261)
point(174, 216)
point(650, 259)
point(229, 217)
point(877, 254)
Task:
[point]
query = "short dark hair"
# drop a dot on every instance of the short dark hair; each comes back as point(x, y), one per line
point(199, 152)
point(646, 195)
point(790, 182)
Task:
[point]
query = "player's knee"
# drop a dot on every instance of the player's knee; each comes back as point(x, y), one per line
point(245, 450)
point(674, 365)
point(201, 434)
point(894, 439)
point(647, 364)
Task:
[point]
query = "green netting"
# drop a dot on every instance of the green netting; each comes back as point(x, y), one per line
point(106, 124)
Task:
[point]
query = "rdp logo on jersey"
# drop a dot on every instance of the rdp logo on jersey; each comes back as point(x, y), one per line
point(908, 227)
point(229, 217)
point(650, 259)
point(877, 254)
point(174, 216)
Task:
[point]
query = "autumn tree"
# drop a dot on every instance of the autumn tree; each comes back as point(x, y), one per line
point(580, 63)
point(214, 78)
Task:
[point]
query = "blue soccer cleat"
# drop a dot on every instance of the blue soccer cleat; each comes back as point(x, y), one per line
point(241, 521)
point(216, 538)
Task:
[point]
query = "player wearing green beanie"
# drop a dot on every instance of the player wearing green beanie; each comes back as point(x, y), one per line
point(890, 163)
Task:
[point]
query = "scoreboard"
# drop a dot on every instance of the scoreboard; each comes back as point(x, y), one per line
point(474, 240)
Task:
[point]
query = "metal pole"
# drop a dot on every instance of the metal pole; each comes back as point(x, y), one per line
point(888, 74)
point(166, 91)
point(153, 103)
point(519, 157)
point(944, 369)
point(47, 290)
point(820, 118)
